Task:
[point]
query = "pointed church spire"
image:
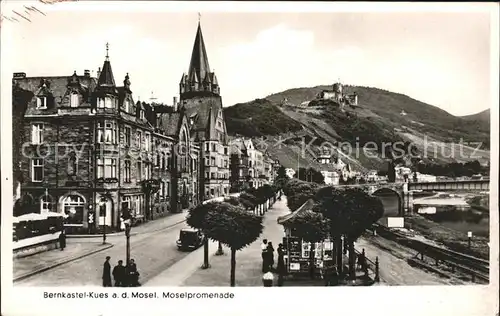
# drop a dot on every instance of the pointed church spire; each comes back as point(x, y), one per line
point(199, 59)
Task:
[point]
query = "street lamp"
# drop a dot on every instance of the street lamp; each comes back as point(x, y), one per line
point(102, 203)
point(126, 220)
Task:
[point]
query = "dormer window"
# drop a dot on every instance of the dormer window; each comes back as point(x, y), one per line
point(41, 102)
point(74, 100)
point(141, 114)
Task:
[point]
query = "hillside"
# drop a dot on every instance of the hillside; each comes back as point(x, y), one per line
point(483, 116)
point(285, 129)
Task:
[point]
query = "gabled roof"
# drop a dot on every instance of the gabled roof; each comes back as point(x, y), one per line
point(199, 59)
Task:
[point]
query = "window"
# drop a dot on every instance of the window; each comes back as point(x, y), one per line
point(214, 147)
point(147, 142)
point(207, 162)
point(207, 146)
point(212, 192)
point(100, 103)
point(126, 174)
point(168, 162)
point(45, 204)
point(110, 133)
point(225, 150)
point(167, 188)
point(127, 105)
point(73, 206)
point(108, 103)
point(41, 103)
point(207, 175)
point(127, 202)
point(128, 135)
point(141, 114)
point(138, 139)
point(219, 123)
point(37, 133)
point(212, 161)
point(241, 173)
point(37, 170)
point(162, 161)
point(139, 170)
point(106, 168)
point(74, 100)
point(212, 175)
point(72, 164)
point(162, 189)
point(147, 170)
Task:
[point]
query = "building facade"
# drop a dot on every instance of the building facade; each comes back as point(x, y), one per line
point(90, 151)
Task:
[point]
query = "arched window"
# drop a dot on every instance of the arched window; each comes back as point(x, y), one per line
point(73, 207)
point(45, 204)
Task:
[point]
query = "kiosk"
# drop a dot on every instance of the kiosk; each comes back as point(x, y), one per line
point(297, 258)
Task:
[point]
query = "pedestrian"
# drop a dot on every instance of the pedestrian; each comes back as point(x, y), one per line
point(330, 275)
point(119, 274)
point(62, 240)
point(133, 274)
point(106, 273)
point(270, 256)
point(281, 264)
point(361, 260)
point(263, 248)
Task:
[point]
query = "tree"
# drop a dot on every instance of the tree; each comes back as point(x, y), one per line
point(232, 226)
point(196, 219)
point(312, 228)
point(350, 211)
point(300, 193)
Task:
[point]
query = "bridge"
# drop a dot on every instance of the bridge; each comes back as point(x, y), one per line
point(404, 190)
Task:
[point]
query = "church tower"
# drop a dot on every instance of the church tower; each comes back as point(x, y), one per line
point(199, 81)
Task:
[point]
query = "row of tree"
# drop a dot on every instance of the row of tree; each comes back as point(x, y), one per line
point(236, 222)
point(342, 215)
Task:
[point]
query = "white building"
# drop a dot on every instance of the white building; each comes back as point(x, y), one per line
point(426, 177)
point(331, 177)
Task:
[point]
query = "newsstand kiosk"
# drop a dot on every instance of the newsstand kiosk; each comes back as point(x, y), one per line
point(298, 251)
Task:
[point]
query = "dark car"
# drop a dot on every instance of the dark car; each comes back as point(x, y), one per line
point(190, 238)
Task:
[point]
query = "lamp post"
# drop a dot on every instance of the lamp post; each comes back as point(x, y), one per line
point(469, 239)
point(102, 203)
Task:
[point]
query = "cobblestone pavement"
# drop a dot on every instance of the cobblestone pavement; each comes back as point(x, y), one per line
point(153, 252)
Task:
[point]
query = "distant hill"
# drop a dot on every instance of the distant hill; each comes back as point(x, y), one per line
point(483, 116)
point(284, 124)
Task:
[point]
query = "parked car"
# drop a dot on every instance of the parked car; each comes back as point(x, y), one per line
point(190, 238)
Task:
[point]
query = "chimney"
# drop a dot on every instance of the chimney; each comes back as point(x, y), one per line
point(175, 104)
point(86, 73)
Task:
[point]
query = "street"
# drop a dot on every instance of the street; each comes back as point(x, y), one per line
point(153, 252)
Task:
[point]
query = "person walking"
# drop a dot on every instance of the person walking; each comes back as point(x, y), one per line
point(133, 274)
point(62, 240)
point(106, 273)
point(281, 269)
point(119, 274)
point(263, 248)
point(270, 256)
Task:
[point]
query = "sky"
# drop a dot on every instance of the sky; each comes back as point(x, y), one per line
point(441, 58)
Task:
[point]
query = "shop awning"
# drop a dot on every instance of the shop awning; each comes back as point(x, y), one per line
point(307, 206)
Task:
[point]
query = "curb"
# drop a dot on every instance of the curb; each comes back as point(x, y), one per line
point(123, 233)
point(31, 273)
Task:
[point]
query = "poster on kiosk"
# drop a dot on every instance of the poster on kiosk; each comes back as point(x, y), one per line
point(298, 254)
